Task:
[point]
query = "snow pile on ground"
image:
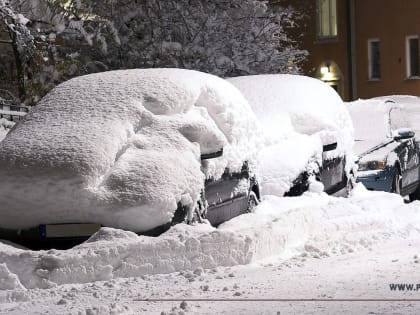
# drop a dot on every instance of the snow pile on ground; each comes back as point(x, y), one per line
point(314, 225)
point(122, 148)
point(5, 126)
point(298, 115)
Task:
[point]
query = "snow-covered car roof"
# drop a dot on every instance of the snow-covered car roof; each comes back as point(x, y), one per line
point(375, 120)
point(302, 104)
point(122, 148)
point(298, 115)
point(410, 107)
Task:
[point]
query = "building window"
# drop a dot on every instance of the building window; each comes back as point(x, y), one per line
point(374, 52)
point(413, 65)
point(327, 18)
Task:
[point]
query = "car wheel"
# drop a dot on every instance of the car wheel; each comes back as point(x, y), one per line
point(415, 195)
point(252, 201)
point(396, 182)
point(200, 212)
point(349, 187)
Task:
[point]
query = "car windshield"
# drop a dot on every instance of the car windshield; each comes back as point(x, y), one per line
point(375, 120)
point(412, 115)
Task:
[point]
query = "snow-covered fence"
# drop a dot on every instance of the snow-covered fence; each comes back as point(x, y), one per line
point(13, 112)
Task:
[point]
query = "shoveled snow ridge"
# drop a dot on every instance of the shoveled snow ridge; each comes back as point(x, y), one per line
point(318, 225)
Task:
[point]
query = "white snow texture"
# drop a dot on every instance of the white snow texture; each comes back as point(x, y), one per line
point(298, 115)
point(122, 148)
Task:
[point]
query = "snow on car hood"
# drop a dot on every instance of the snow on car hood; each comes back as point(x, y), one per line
point(122, 148)
point(298, 115)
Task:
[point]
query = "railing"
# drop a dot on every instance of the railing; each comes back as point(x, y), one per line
point(13, 112)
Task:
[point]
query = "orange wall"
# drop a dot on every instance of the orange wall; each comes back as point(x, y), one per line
point(390, 21)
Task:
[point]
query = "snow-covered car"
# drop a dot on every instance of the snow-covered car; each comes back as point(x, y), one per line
point(308, 134)
point(388, 152)
point(126, 149)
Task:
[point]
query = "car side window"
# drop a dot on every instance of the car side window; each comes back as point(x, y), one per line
point(397, 119)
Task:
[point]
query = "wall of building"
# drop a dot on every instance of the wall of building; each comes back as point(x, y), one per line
point(390, 21)
point(323, 51)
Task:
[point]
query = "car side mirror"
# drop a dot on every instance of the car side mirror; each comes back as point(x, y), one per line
point(212, 155)
point(403, 133)
point(329, 147)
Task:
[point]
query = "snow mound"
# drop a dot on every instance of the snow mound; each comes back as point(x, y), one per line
point(122, 148)
point(8, 280)
point(298, 115)
point(311, 225)
point(5, 126)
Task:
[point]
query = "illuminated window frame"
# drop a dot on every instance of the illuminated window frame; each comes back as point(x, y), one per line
point(374, 59)
point(412, 56)
point(327, 19)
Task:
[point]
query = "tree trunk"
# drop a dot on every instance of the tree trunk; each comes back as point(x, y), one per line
point(20, 70)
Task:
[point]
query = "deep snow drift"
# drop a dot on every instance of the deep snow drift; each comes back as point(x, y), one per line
point(314, 225)
point(298, 115)
point(122, 148)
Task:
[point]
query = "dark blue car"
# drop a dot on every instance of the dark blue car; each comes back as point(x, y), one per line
point(388, 151)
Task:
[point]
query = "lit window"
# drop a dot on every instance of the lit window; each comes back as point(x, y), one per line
point(412, 48)
point(374, 55)
point(327, 18)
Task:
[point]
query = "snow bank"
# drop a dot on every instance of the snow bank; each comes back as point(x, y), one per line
point(122, 148)
point(299, 115)
point(315, 225)
point(5, 126)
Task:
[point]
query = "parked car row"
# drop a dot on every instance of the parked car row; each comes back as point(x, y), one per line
point(146, 149)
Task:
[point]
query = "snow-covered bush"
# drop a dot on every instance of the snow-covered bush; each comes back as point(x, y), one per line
point(60, 39)
point(226, 38)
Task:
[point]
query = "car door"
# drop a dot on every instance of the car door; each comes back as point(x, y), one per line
point(407, 151)
point(333, 175)
point(408, 156)
point(227, 197)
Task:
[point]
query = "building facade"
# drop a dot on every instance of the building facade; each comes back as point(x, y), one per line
point(362, 48)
